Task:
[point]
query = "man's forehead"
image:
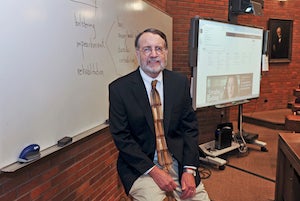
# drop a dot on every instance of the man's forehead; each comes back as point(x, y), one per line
point(150, 38)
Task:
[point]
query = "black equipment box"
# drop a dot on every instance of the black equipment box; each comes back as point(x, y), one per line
point(223, 135)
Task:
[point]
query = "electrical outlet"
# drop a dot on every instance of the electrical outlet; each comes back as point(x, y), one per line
point(222, 113)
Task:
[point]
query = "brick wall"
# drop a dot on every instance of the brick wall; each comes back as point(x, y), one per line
point(86, 170)
point(277, 84)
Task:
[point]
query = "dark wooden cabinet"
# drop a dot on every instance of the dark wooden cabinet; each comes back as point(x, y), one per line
point(288, 168)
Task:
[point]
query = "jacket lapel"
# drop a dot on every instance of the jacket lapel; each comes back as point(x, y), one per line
point(141, 96)
point(167, 100)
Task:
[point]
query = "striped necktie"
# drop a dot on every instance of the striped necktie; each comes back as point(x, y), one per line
point(163, 155)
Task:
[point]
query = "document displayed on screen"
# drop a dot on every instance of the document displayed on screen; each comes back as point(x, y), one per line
point(229, 63)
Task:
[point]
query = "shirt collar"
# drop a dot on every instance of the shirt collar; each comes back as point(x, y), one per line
point(149, 79)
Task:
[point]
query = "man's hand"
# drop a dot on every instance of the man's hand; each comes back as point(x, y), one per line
point(188, 186)
point(163, 179)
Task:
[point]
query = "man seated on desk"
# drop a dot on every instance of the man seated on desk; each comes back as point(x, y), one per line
point(135, 122)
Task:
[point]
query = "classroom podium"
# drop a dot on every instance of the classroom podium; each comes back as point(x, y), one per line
point(288, 167)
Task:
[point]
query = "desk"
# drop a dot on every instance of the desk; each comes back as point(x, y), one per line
point(288, 168)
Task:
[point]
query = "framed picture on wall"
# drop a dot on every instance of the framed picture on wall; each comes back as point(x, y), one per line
point(280, 40)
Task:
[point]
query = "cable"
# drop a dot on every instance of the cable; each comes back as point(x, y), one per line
point(243, 147)
point(263, 177)
point(204, 172)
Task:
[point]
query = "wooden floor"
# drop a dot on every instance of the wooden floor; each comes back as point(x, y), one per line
point(251, 176)
point(274, 119)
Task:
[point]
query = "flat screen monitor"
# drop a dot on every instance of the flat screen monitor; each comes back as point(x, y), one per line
point(228, 63)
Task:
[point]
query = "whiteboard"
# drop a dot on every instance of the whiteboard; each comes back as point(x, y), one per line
point(57, 59)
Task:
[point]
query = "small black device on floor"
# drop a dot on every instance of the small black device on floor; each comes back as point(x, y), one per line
point(249, 137)
point(223, 135)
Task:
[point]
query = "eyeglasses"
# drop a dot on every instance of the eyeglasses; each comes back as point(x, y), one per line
point(148, 50)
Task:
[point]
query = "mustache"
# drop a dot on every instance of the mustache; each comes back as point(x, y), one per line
point(153, 60)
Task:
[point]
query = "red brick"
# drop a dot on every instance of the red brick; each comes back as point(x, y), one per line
point(87, 169)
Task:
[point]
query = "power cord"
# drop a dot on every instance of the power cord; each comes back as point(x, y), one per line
point(243, 145)
point(204, 172)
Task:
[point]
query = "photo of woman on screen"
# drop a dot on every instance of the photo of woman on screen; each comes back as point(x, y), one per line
point(231, 88)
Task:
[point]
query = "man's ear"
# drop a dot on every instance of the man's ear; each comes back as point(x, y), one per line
point(137, 55)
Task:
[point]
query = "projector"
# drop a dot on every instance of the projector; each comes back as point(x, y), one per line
point(246, 6)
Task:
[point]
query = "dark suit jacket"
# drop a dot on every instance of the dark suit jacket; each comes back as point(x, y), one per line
point(132, 127)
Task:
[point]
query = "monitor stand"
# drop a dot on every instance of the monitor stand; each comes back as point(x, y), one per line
point(251, 138)
point(209, 154)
